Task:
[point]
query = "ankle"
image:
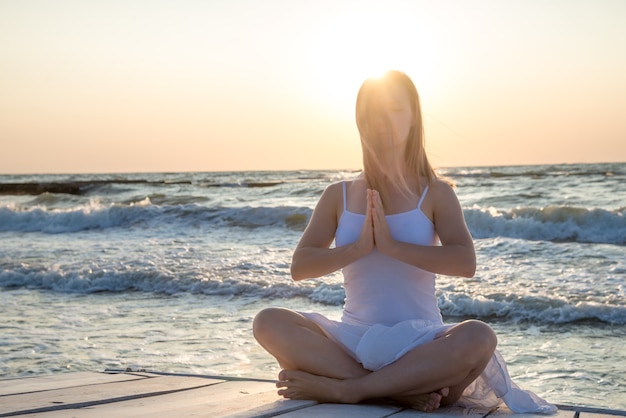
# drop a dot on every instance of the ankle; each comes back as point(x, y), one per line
point(348, 391)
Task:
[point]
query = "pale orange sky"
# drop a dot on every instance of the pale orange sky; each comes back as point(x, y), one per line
point(133, 86)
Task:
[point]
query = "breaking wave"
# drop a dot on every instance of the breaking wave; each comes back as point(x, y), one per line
point(552, 223)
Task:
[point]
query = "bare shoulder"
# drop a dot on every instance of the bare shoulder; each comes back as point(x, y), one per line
point(441, 191)
point(440, 196)
point(331, 200)
point(333, 191)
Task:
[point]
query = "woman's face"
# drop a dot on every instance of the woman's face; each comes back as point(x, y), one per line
point(396, 105)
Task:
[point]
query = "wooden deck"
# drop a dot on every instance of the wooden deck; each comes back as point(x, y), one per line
point(139, 394)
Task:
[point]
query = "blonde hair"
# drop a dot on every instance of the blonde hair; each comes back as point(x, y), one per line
point(369, 112)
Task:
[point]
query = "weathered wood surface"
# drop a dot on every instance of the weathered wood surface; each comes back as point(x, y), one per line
point(143, 394)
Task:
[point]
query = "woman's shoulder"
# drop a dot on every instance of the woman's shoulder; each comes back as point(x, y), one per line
point(333, 194)
point(350, 189)
point(333, 189)
point(349, 183)
point(438, 185)
point(357, 178)
point(440, 193)
point(330, 204)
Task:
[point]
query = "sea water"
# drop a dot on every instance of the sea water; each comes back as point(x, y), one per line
point(165, 271)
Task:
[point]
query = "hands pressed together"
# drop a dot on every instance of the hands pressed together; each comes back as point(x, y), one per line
point(375, 232)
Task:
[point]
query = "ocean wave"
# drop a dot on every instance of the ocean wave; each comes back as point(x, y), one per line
point(535, 309)
point(144, 214)
point(125, 277)
point(552, 223)
point(538, 171)
point(93, 215)
point(510, 307)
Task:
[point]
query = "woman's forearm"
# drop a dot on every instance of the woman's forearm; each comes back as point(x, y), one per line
point(451, 260)
point(313, 262)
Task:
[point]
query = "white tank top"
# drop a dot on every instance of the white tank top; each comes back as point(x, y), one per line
point(380, 289)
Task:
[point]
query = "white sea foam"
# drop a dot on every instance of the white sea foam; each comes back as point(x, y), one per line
point(562, 224)
point(121, 278)
point(163, 271)
point(552, 223)
point(143, 214)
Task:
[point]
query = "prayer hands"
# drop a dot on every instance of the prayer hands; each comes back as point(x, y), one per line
point(382, 236)
point(375, 232)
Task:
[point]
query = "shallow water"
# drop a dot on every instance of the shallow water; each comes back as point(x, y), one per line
point(580, 364)
point(167, 273)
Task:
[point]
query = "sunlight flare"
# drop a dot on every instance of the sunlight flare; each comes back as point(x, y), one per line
point(365, 42)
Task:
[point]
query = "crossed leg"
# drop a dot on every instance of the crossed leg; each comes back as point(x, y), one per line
point(317, 368)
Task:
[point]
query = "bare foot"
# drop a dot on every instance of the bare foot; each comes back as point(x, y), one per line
point(423, 402)
point(295, 384)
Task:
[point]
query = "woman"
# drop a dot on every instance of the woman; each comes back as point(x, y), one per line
point(395, 227)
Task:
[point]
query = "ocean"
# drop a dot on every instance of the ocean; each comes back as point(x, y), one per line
point(165, 271)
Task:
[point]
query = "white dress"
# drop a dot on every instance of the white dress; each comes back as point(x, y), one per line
point(391, 308)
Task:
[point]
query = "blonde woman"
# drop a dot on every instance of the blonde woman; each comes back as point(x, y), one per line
point(395, 227)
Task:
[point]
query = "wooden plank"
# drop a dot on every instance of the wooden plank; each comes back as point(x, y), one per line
point(587, 411)
point(242, 401)
point(344, 411)
point(225, 399)
point(451, 411)
point(194, 402)
point(609, 414)
point(260, 405)
point(507, 413)
point(81, 396)
point(474, 413)
point(64, 380)
point(160, 395)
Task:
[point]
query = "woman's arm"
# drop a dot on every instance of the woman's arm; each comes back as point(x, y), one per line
point(313, 256)
point(455, 256)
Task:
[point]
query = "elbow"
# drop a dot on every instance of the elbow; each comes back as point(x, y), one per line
point(469, 267)
point(300, 268)
point(465, 264)
point(296, 272)
point(469, 270)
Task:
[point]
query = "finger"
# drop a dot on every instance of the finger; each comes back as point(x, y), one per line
point(371, 204)
point(373, 199)
point(378, 211)
point(376, 202)
point(370, 211)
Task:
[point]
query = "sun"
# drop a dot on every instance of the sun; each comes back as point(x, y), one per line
point(364, 42)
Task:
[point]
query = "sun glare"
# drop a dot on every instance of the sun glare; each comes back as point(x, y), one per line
point(357, 44)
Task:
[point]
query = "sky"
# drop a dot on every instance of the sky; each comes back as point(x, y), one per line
point(90, 86)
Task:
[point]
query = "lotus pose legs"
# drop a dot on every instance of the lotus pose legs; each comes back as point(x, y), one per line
point(317, 368)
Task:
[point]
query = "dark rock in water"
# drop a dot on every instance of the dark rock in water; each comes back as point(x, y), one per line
point(266, 184)
point(39, 188)
point(72, 187)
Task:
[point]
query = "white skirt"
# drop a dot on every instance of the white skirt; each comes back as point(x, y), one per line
point(377, 346)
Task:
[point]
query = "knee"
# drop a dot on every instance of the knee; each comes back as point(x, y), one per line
point(478, 341)
point(481, 337)
point(266, 323)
